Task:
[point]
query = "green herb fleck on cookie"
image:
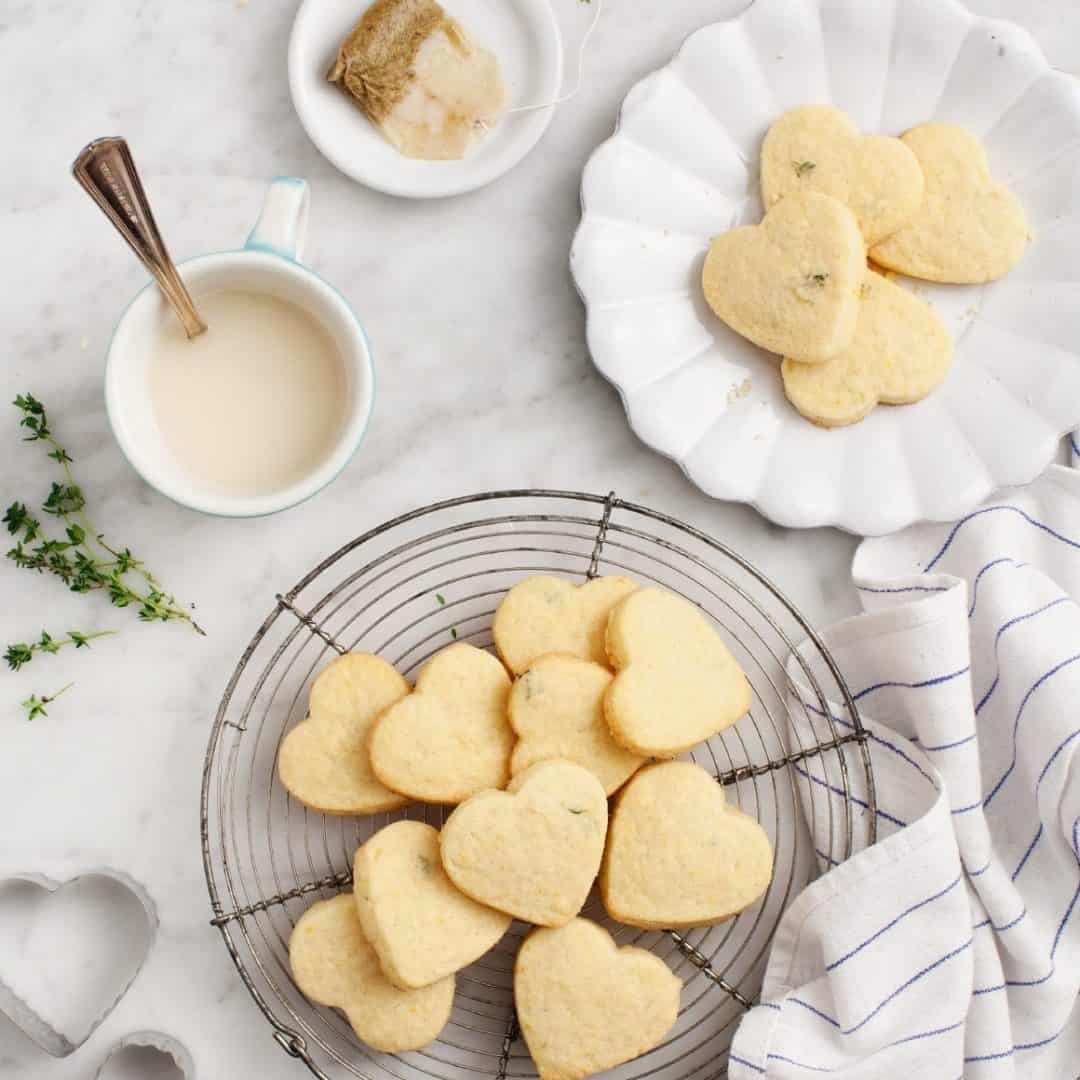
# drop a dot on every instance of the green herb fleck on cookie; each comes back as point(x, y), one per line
point(803, 167)
point(818, 280)
point(575, 812)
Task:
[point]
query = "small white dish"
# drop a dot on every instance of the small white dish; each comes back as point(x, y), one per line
point(268, 263)
point(683, 167)
point(523, 35)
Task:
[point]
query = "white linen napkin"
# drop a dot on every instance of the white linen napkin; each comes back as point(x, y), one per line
point(951, 948)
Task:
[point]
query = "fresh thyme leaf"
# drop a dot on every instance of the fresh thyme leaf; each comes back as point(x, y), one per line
point(442, 599)
point(84, 561)
point(17, 655)
point(803, 167)
point(37, 706)
point(22, 653)
point(453, 632)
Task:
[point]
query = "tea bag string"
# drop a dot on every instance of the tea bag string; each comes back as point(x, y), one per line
point(597, 9)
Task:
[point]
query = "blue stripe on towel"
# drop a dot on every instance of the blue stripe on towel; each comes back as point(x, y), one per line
point(748, 1064)
point(889, 925)
point(1027, 854)
point(950, 745)
point(990, 510)
point(888, 1046)
point(905, 589)
point(1011, 923)
point(1016, 724)
point(873, 736)
point(1064, 922)
point(1015, 621)
point(1053, 953)
point(936, 680)
point(990, 566)
point(885, 1001)
point(848, 795)
point(998, 1055)
point(1042, 776)
point(1053, 757)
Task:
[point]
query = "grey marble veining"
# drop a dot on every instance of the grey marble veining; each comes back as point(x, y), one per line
point(484, 382)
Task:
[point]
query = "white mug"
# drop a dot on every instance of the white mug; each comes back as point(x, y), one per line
point(268, 263)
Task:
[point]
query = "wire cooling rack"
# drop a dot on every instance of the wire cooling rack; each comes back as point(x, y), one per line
point(407, 589)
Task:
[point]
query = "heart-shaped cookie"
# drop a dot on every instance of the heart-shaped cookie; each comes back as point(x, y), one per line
point(421, 927)
point(819, 148)
point(324, 760)
point(333, 964)
point(585, 1005)
point(532, 851)
point(969, 228)
point(557, 711)
point(677, 683)
point(543, 615)
point(450, 737)
point(790, 284)
point(678, 854)
point(900, 353)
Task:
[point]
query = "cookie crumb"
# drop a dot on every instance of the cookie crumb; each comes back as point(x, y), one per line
point(737, 393)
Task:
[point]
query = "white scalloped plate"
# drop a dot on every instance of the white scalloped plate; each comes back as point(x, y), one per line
point(682, 167)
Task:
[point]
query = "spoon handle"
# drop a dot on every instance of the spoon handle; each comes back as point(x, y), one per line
point(107, 171)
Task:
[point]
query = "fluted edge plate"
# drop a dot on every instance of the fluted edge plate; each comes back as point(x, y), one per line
point(682, 167)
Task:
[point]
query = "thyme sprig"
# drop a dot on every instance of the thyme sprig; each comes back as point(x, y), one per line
point(82, 559)
point(18, 655)
point(38, 706)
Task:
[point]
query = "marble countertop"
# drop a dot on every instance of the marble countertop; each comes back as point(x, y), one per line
point(484, 383)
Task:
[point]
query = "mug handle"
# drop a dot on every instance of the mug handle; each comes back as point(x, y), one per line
point(282, 225)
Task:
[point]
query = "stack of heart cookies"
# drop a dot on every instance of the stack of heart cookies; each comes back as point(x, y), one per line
point(800, 284)
point(596, 688)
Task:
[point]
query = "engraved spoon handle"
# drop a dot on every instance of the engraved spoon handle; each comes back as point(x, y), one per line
point(107, 171)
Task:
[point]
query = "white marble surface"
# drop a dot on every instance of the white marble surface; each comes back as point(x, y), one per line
point(483, 383)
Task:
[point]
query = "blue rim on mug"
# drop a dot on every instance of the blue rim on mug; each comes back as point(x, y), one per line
point(276, 242)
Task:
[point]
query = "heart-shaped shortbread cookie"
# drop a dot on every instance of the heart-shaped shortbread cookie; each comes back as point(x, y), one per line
point(678, 854)
point(324, 760)
point(790, 284)
point(585, 1005)
point(333, 964)
point(543, 615)
point(557, 711)
point(819, 148)
point(901, 351)
point(421, 927)
point(677, 683)
point(450, 737)
point(532, 851)
point(969, 228)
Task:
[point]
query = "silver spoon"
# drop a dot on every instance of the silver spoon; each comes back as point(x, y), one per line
point(107, 171)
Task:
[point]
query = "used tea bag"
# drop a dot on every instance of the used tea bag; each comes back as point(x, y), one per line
point(420, 78)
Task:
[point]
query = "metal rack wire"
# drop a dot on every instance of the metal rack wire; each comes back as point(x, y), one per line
point(411, 586)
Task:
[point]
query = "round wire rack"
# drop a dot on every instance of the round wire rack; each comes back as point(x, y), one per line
point(412, 586)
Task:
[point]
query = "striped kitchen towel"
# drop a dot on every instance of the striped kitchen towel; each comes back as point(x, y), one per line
point(951, 947)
